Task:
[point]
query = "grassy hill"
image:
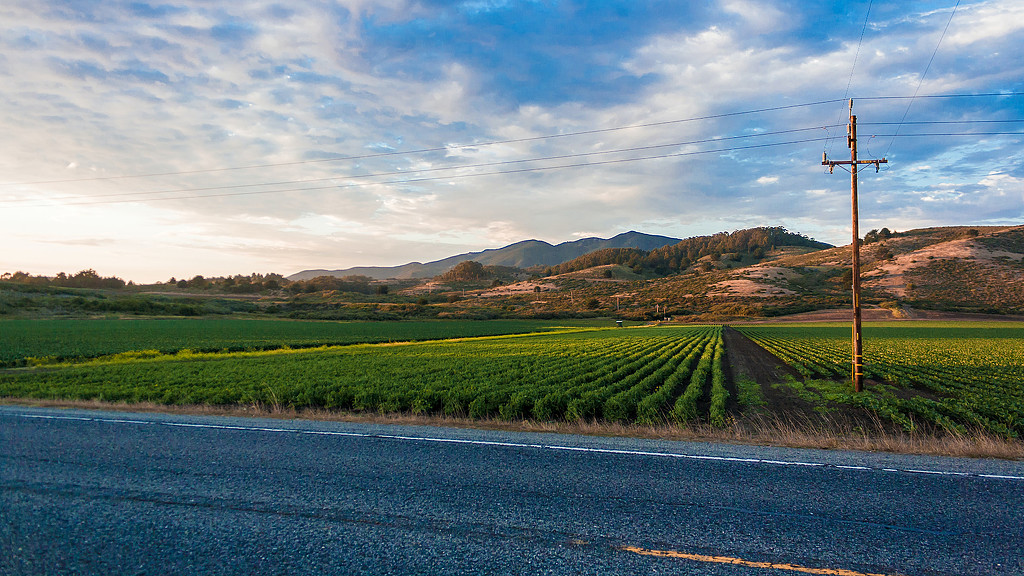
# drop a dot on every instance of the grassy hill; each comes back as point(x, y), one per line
point(967, 269)
point(960, 269)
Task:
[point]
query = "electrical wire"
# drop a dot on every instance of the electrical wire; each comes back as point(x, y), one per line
point(917, 97)
point(941, 122)
point(433, 149)
point(447, 177)
point(926, 68)
point(543, 158)
point(442, 168)
point(853, 68)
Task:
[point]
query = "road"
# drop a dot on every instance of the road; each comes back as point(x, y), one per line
point(85, 492)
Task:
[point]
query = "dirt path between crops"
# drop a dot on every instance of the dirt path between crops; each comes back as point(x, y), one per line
point(748, 360)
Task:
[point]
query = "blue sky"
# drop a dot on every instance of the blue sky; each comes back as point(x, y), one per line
point(156, 139)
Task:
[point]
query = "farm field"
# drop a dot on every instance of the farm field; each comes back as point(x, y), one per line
point(954, 376)
point(651, 375)
point(21, 341)
point(950, 374)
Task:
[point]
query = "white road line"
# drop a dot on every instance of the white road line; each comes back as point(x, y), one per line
point(521, 445)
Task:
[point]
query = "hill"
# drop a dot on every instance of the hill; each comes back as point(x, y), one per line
point(964, 269)
point(747, 274)
point(752, 244)
point(524, 254)
point(909, 274)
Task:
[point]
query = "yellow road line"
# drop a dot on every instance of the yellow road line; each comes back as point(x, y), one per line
point(748, 563)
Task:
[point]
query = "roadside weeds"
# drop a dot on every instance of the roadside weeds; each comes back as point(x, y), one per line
point(760, 430)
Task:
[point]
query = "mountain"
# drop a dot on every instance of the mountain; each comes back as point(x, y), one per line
point(522, 254)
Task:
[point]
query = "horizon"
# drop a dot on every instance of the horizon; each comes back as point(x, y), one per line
point(152, 141)
point(287, 275)
point(328, 269)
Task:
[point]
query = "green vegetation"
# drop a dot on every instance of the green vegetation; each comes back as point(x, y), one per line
point(751, 245)
point(574, 374)
point(44, 299)
point(950, 375)
point(978, 288)
point(24, 342)
point(936, 376)
point(758, 272)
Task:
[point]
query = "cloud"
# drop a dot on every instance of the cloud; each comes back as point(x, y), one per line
point(185, 89)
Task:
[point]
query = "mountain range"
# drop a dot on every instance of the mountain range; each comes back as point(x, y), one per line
point(524, 254)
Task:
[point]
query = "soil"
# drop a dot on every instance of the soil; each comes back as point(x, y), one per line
point(748, 360)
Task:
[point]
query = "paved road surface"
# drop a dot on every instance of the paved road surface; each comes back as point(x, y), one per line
point(118, 493)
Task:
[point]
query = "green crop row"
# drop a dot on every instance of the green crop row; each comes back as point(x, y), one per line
point(620, 375)
point(24, 342)
point(964, 377)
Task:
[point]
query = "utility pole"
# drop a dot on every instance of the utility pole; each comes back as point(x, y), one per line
point(851, 140)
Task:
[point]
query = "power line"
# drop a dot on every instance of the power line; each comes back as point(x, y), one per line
point(450, 176)
point(917, 97)
point(943, 122)
point(444, 168)
point(500, 142)
point(853, 68)
point(895, 135)
point(433, 149)
point(566, 156)
point(926, 68)
point(134, 195)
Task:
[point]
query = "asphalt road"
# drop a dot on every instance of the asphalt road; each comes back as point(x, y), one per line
point(116, 493)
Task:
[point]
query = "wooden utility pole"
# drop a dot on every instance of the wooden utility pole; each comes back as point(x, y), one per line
point(851, 140)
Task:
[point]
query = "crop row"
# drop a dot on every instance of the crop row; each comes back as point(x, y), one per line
point(649, 375)
point(963, 377)
point(24, 341)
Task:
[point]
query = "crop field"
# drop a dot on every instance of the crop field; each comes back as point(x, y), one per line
point(957, 376)
point(649, 375)
point(966, 374)
point(24, 342)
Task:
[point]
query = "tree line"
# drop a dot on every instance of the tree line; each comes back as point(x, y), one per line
point(83, 279)
point(755, 242)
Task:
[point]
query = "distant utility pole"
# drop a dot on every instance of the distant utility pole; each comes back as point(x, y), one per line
point(853, 162)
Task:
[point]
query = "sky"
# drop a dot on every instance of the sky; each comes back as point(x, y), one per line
point(150, 140)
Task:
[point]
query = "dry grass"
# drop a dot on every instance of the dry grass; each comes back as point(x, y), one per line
point(760, 430)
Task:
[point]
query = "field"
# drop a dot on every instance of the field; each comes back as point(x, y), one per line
point(955, 375)
point(958, 377)
point(28, 341)
point(648, 375)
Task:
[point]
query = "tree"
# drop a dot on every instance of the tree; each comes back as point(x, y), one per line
point(466, 271)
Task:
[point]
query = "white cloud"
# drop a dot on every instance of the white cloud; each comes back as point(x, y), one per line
point(760, 17)
point(151, 95)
